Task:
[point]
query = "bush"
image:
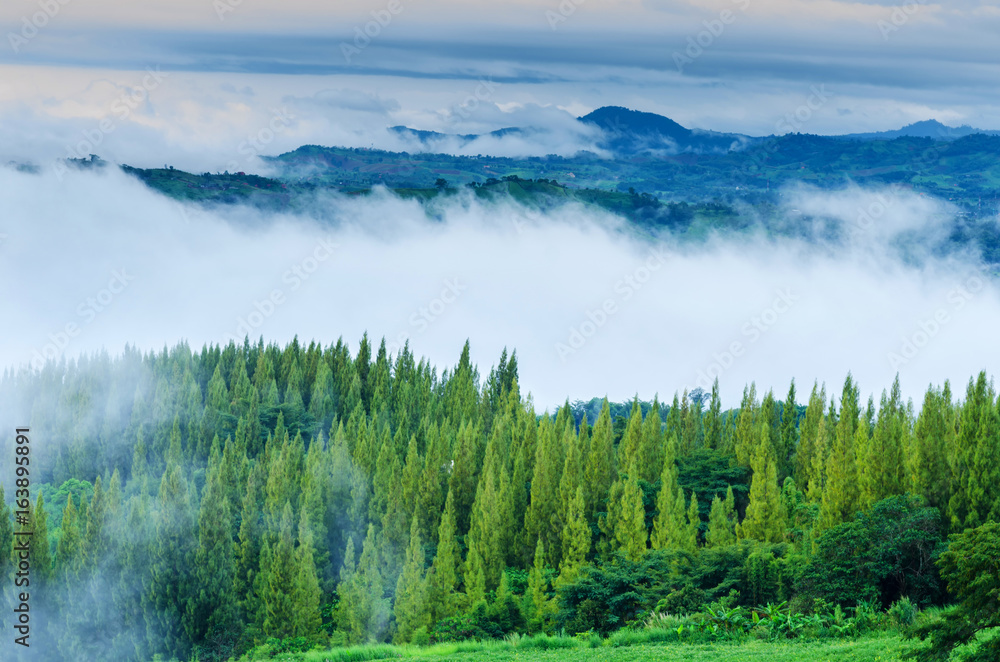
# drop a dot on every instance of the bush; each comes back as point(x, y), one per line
point(290, 645)
point(903, 612)
point(456, 628)
point(545, 642)
point(882, 555)
point(421, 637)
point(608, 595)
point(686, 600)
point(971, 567)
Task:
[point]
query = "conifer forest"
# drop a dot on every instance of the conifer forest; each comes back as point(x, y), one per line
point(203, 504)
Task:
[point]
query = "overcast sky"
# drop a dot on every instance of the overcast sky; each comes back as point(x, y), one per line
point(188, 82)
point(728, 65)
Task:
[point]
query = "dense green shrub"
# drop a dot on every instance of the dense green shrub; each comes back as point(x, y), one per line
point(883, 554)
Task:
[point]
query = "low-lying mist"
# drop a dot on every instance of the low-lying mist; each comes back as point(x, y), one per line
point(92, 260)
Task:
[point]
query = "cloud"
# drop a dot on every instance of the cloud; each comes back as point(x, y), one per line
point(591, 309)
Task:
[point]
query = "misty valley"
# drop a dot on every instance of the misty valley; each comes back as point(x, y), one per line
point(739, 402)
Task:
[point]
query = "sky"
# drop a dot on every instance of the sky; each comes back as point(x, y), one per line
point(210, 85)
point(345, 71)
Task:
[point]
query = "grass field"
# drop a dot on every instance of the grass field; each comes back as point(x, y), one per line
point(877, 648)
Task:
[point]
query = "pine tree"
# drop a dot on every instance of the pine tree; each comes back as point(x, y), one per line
point(789, 433)
point(881, 468)
point(575, 540)
point(540, 520)
point(486, 556)
point(600, 471)
point(745, 434)
point(669, 526)
point(693, 527)
point(570, 481)
point(430, 499)
point(649, 455)
point(629, 450)
point(41, 549)
point(364, 611)
point(69, 547)
point(172, 551)
point(444, 571)
point(463, 479)
point(765, 518)
point(630, 526)
point(691, 419)
point(840, 497)
point(821, 455)
point(211, 612)
point(927, 460)
point(540, 607)
point(305, 590)
point(721, 521)
point(809, 432)
point(279, 610)
point(411, 590)
point(713, 419)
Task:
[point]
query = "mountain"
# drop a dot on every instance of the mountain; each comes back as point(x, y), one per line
point(625, 133)
point(629, 132)
point(927, 129)
point(426, 137)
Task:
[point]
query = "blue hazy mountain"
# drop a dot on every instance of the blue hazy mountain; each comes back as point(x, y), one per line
point(626, 132)
point(927, 129)
point(636, 132)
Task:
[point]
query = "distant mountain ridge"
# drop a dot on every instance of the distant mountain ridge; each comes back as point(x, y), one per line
point(926, 129)
point(627, 132)
point(635, 132)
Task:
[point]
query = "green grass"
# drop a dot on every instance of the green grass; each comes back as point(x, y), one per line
point(877, 648)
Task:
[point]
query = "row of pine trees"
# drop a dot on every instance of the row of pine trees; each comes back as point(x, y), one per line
point(217, 499)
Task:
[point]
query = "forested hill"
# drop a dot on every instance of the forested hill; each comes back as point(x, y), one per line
point(964, 171)
point(203, 502)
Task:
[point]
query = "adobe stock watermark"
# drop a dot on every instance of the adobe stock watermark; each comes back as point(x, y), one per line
point(223, 7)
point(698, 43)
point(869, 214)
point(522, 218)
point(87, 311)
point(562, 12)
point(900, 16)
point(792, 121)
point(256, 142)
point(928, 328)
point(626, 288)
point(483, 93)
point(364, 34)
point(293, 277)
point(32, 25)
point(121, 109)
point(425, 315)
point(796, 119)
point(753, 330)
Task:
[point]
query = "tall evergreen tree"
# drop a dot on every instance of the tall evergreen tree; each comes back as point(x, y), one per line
point(765, 517)
point(840, 496)
point(630, 526)
point(713, 419)
point(575, 540)
point(789, 433)
point(410, 607)
point(669, 526)
point(443, 578)
point(722, 521)
point(600, 471)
